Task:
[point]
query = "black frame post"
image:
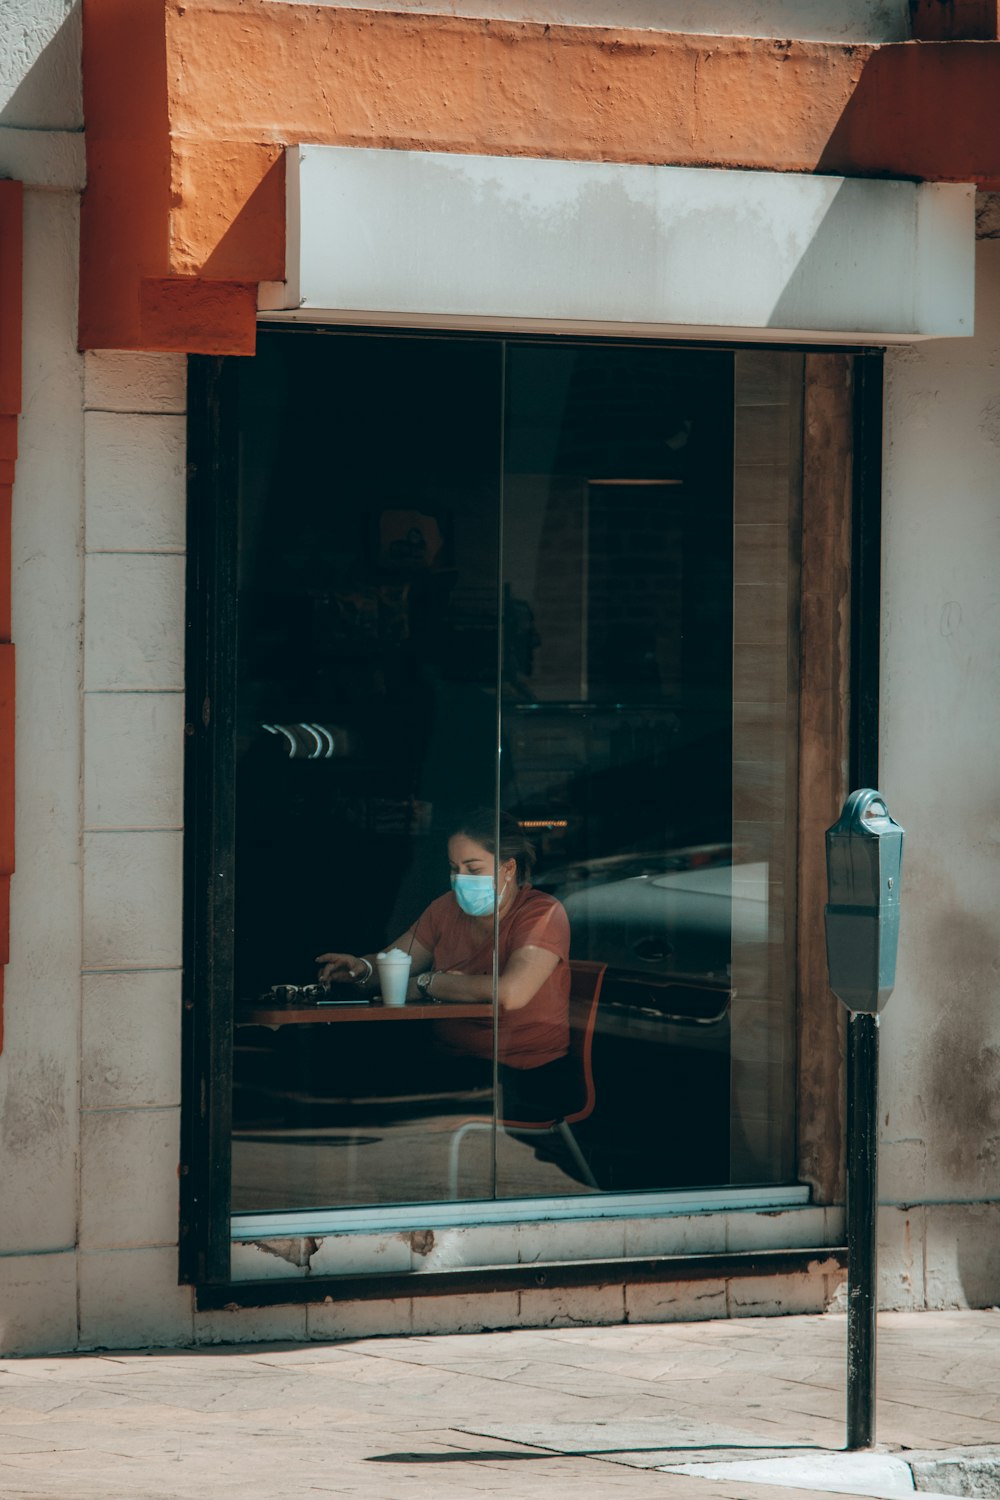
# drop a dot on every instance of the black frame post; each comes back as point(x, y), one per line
point(209, 824)
point(209, 798)
point(862, 1028)
point(862, 1226)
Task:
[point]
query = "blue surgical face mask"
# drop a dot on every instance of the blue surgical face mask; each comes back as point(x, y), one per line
point(475, 893)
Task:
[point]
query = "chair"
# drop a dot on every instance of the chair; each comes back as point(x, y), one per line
point(586, 979)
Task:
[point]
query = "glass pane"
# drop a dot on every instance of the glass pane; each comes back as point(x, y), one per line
point(618, 715)
point(644, 708)
point(366, 725)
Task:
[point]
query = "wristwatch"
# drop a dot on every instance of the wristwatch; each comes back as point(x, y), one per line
point(424, 982)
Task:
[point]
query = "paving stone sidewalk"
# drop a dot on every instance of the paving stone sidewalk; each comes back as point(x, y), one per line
point(556, 1412)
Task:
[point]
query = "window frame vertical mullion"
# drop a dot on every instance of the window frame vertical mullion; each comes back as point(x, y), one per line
point(209, 821)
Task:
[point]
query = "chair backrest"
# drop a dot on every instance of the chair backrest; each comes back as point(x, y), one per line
point(585, 983)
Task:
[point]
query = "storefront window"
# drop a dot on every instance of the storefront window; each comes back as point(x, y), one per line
point(525, 612)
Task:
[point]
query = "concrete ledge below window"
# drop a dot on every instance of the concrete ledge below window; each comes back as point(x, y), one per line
point(483, 1280)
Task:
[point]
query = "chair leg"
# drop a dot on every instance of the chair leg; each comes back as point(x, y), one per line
point(456, 1146)
point(574, 1150)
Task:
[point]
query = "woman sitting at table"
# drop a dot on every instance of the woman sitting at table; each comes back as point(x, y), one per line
point(451, 947)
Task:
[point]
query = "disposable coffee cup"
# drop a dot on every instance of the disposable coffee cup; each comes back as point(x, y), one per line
point(393, 975)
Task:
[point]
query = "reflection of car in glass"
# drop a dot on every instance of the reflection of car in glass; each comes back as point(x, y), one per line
point(668, 927)
point(665, 925)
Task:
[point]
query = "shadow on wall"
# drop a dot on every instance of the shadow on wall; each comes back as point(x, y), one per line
point(962, 1084)
point(253, 246)
point(831, 274)
point(924, 112)
point(40, 73)
point(962, 1053)
point(977, 1255)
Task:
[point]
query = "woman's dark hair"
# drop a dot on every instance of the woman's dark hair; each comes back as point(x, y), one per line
point(480, 826)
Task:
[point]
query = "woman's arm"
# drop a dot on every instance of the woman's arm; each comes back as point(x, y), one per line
point(346, 968)
point(349, 968)
point(522, 977)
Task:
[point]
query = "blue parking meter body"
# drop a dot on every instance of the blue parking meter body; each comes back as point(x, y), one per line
point(864, 853)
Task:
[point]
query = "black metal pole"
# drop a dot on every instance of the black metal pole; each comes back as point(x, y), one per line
point(862, 1225)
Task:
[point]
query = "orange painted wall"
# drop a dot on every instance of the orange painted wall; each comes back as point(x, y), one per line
point(185, 192)
point(11, 255)
point(125, 212)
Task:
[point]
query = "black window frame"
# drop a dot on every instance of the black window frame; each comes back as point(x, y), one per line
point(209, 845)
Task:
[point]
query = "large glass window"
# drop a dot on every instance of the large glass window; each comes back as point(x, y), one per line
point(516, 696)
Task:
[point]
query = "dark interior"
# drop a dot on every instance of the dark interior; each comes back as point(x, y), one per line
point(446, 544)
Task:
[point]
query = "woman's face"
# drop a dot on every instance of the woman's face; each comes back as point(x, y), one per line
point(469, 858)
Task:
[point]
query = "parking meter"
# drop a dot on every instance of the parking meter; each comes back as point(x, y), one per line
point(864, 852)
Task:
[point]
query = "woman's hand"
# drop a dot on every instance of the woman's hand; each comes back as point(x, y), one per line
point(341, 968)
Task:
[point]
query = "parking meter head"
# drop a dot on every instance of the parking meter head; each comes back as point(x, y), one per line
point(864, 854)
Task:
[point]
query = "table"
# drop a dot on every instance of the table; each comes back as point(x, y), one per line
point(413, 1010)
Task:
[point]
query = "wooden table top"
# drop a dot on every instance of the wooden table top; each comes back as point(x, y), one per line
point(413, 1010)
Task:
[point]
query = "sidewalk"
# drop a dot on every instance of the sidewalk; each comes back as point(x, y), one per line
point(561, 1413)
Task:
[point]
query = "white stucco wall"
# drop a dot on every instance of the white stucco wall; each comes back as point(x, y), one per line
point(133, 721)
point(39, 1119)
point(940, 724)
point(40, 117)
point(40, 86)
point(89, 1081)
point(89, 1078)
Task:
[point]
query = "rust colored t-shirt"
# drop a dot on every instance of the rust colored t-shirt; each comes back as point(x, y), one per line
point(537, 1033)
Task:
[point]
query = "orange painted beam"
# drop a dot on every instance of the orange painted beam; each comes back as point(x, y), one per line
point(256, 75)
point(8, 461)
point(198, 315)
point(184, 208)
point(6, 498)
point(6, 763)
point(125, 211)
point(129, 298)
point(11, 282)
point(929, 111)
point(11, 257)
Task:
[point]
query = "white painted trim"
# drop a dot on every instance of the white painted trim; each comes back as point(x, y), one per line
point(286, 1225)
point(404, 238)
point(580, 328)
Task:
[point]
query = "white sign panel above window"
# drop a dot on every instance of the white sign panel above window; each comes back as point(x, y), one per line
point(410, 237)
